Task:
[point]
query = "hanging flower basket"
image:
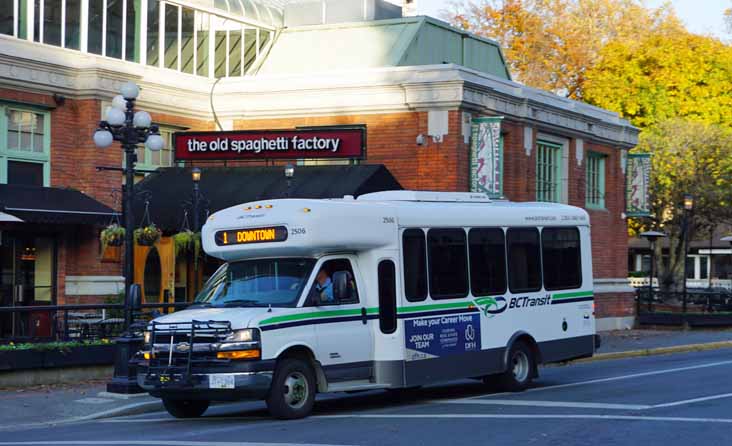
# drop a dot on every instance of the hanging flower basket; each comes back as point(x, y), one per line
point(147, 236)
point(187, 241)
point(111, 254)
point(112, 235)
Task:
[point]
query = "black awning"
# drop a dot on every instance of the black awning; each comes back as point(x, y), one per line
point(223, 187)
point(52, 205)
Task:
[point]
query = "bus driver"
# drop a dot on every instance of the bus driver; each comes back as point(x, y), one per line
point(324, 286)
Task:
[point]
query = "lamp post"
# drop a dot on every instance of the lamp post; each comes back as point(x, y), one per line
point(651, 236)
point(121, 123)
point(196, 178)
point(688, 207)
point(289, 173)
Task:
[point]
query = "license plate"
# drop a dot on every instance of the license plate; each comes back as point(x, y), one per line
point(221, 381)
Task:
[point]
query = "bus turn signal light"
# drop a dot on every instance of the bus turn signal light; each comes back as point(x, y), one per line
point(238, 354)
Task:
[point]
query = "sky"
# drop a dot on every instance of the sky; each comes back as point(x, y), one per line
point(700, 16)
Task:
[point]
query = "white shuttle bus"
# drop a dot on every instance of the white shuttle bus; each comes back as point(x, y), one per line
point(391, 290)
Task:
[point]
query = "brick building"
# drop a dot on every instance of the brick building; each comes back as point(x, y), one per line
point(415, 83)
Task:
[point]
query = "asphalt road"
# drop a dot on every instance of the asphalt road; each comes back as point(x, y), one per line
point(679, 399)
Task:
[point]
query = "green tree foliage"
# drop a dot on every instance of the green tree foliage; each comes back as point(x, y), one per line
point(688, 157)
point(662, 76)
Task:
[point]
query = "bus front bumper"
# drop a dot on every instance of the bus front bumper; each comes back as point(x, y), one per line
point(211, 386)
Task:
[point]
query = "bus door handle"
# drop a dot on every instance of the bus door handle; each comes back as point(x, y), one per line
point(364, 319)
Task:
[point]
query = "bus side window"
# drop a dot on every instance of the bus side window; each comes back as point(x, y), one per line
point(524, 260)
point(414, 252)
point(447, 256)
point(562, 261)
point(487, 247)
point(387, 297)
point(330, 267)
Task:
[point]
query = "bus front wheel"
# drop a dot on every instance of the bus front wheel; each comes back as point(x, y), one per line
point(292, 394)
point(185, 408)
point(520, 368)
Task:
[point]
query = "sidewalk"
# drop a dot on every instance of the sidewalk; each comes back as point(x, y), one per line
point(632, 340)
point(59, 403)
point(51, 404)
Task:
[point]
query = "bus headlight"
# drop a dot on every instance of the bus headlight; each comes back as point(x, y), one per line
point(147, 337)
point(245, 335)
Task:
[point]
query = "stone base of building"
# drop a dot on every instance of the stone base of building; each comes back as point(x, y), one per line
point(614, 304)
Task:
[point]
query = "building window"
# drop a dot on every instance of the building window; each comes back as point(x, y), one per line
point(175, 37)
point(149, 159)
point(548, 172)
point(24, 146)
point(595, 191)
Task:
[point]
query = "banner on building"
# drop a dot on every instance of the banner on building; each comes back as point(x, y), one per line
point(486, 157)
point(325, 142)
point(636, 185)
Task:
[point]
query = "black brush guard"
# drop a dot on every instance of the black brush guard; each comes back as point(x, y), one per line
point(174, 368)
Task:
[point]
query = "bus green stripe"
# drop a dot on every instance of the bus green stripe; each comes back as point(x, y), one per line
point(316, 315)
point(572, 295)
point(434, 307)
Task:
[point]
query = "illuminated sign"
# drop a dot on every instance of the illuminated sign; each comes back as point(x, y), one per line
point(251, 235)
point(345, 142)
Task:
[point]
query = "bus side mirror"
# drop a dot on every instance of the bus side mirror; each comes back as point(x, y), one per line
point(340, 285)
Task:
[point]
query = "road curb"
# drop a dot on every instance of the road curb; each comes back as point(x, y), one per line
point(129, 409)
point(658, 351)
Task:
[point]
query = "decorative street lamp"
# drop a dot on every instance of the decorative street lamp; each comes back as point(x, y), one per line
point(196, 177)
point(688, 208)
point(130, 128)
point(289, 173)
point(651, 236)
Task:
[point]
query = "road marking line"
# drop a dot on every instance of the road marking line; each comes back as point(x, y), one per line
point(536, 417)
point(622, 377)
point(154, 443)
point(528, 403)
point(179, 420)
point(693, 400)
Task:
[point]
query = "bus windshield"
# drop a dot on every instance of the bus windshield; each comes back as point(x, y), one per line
point(257, 283)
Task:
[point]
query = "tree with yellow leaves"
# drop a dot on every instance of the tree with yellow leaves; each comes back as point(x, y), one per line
point(550, 44)
point(664, 75)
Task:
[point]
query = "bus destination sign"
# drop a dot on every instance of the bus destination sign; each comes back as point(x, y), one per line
point(251, 235)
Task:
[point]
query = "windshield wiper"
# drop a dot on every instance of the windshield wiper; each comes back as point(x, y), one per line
point(200, 304)
point(242, 302)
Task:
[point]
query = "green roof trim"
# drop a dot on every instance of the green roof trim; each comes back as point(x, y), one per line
point(407, 41)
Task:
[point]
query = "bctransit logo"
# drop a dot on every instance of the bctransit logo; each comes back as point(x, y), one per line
point(491, 306)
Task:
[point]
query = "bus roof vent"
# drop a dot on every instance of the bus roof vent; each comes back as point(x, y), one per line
point(411, 195)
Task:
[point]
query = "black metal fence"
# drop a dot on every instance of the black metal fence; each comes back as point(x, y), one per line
point(695, 307)
point(83, 322)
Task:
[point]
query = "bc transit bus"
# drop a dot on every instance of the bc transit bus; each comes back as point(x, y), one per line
point(392, 290)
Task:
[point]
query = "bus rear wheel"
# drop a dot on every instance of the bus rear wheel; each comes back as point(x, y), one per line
point(292, 394)
point(520, 368)
point(185, 408)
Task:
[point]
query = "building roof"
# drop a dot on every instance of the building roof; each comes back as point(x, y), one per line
point(52, 205)
point(407, 41)
point(223, 187)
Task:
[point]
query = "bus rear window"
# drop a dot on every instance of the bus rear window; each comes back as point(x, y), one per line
point(561, 257)
point(524, 261)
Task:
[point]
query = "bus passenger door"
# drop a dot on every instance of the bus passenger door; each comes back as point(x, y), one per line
point(344, 339)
